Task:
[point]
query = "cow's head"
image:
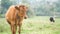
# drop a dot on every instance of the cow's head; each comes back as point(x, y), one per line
point(22, 10)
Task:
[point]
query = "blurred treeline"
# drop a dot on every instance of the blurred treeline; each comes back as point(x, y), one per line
point(36, 7)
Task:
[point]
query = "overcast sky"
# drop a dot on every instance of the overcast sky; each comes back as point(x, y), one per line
point(48, 0)
point(0, 0)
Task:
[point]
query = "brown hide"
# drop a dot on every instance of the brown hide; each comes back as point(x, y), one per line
point(15, 16)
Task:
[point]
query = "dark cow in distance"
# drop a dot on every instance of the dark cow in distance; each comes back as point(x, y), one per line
point(15, 16)
point(52, 19)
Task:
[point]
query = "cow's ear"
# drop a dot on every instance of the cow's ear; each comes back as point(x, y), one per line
point(17, 7)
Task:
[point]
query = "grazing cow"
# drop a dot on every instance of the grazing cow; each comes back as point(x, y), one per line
point(52, 19)
point(15, 16)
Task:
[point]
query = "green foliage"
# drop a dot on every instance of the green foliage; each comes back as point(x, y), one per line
point(36, 8)
point(2, 15)
point(5, 3)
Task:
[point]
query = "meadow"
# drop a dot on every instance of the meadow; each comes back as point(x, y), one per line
point(34, 25)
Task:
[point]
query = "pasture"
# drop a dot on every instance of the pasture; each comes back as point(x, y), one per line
point(34, 25)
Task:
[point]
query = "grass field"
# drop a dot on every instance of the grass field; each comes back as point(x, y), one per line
point(34, 25)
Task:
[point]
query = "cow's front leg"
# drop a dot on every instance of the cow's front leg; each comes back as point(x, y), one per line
point(19, 30)
point(13, 28)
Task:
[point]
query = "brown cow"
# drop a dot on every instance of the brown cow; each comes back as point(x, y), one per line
point(15, 16)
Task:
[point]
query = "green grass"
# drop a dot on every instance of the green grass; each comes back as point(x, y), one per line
point(34, 25)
